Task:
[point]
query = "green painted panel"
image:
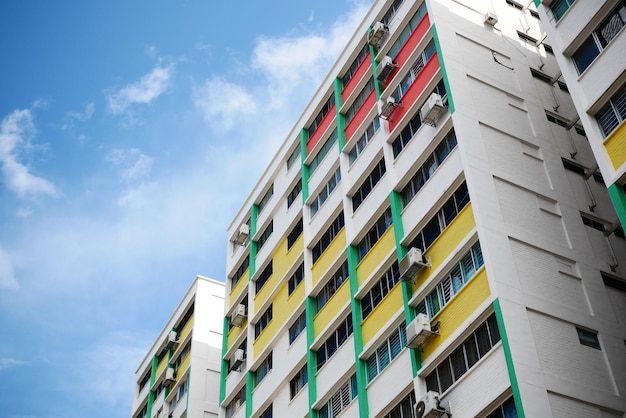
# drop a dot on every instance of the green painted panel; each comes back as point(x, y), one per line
point(443, 70)
point(224, 368)
point(311, 356)
point(618, 195)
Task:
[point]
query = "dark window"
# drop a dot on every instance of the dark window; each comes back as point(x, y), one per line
point(330, 346)
point(243, 267)
point(330, 288)
point(326, 239)
point(355, 65)
point(265, 235)
point(296, 278)
point(264, 276)
point(374, 234)
point(613, 113)
point(297, 327)
point(383, 286)
point(326, 107)
point(368, 184)
point(264, 321)
point(294, 193)
point(588, 338)
point(294, 234)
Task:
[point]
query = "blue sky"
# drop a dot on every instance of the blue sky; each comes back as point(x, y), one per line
point(130, 134)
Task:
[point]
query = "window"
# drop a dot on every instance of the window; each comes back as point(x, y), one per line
point(185, 319)
point(475, 347)
point(363, 140)
point(328, 188)
point(296, 278)
point(330, 288)
point(383, 286)
point(267, 413)
point(298, 382)
point(518, 6)
point(427, 169)
point(265, 235)
point(294, 193)
point(294, 234)
point(374, 234)
point(590, 222)
point(613, 281)
point(368, 184)
point(243, 267)
point(326, 107)
point(386, 353)
point(328, 145)
point(546, 78)
point(442, 219)
point(559, 7)
point(588, 338)
point(414, 124)
point(359, 100)
point(506, 410)
point(529, 39)
point(326, 239)
point(236, 403)
point(581, 169)
point(416, 68)
point(181, 392)
point(391, 12)
point(334, 342)
point(264, 368)
point(266, 198)
point(452, 283)
point(295, 156)
point(144, 380)
point(407, 31)
point(297, 327)
point(264, 276)
point(340, 399)
point(183, 354)
point(143, 413)
point(264, 321)
point(355, 64)
point(600, 38)
point(613, 113)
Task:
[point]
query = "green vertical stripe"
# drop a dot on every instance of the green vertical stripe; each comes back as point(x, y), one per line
point(537, 3)
point(619, 201)
point(311, 355)
point(444, 74)
point(509, 359)
point(341, 119)
point(361, 379)
point(249, 389)
point(304, 138)
point(155, 363)
point(224, 368)
point(407, 288)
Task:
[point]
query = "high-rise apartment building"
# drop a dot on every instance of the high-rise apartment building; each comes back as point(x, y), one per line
point(432, 236)
point(590, 46)
point(180, 374)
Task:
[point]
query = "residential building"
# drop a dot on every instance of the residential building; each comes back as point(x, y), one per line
point(189, 342)
point(428, 239)
point(589, 43)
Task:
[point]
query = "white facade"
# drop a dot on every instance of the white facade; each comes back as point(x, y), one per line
point(190, 346)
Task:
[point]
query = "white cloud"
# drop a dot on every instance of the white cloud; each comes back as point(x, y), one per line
point(133, 165)
point(15, 133)
point(85, 114)
point(148, 88)
point(222, 102)
point(8, 363)
point(7, 275)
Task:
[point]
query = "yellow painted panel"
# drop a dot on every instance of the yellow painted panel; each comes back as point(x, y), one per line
point(332, 307)
point(268, 333)
point(448, 241)
point(287, 303)
point(267, 289)
point(615, 146)
point(469, 298)
point(284, 259)
point(161, 366)
point(375, 255)
point(332, 252)
point(184, 365)
point(186, 329)
point(239, 287)
point(235, 332)
point(381, 314)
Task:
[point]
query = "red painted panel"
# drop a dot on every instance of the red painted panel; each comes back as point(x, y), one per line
point(315, 138)
point(409, 46)
point(360, 115)
point(356, 77)
point(415, 90)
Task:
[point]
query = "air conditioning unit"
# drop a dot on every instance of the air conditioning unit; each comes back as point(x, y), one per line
point(418, 332)
point(432, 109)
point(411, 264)
point(490, 19)
point(376, 35)
point(243, 234)
point(164, 413)
point(384, 68)
point(170, 375)
point(386, 107)
point(428, 406)
point(172, 339)
point(239, 315)
point(238, 359)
